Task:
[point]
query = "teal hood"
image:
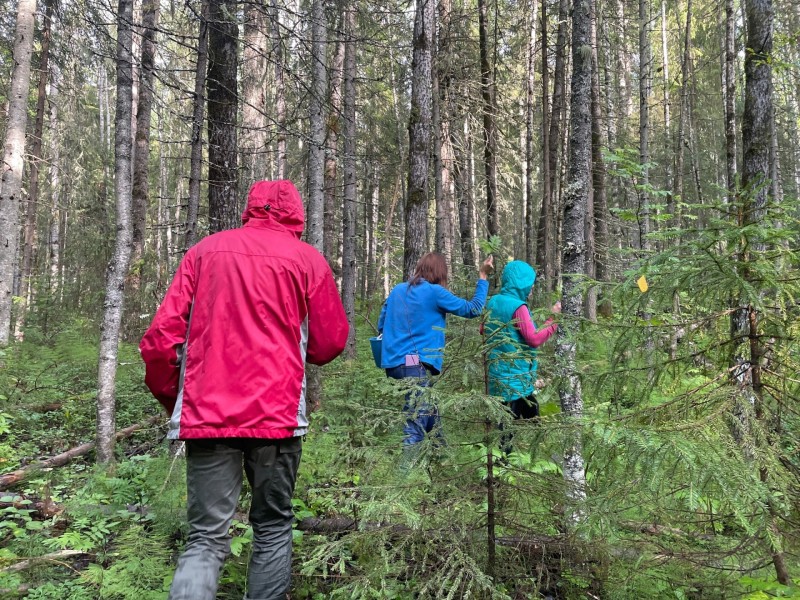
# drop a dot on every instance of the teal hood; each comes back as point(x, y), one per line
point(517, 280)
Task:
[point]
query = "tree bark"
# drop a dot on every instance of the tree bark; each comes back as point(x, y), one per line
point(221, 82)
point(198, 103)
point(13, 159)
point(280, 91)
point(678, 181)
point(333, 125)
point(730, 100)
point(545, 213)
point(54, 242)
point(530, 202)
point(576, 198)
point(488, 95)
point(316, 151)
point(443, 148)
point(464, 190)
point(35, 160)
point(419, 129)
point(141, 155)
point(349, 240)
point(118, 267)
point(254, 102)
point(599, 256)
point(645, 83)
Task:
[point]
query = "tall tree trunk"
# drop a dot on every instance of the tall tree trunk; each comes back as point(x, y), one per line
point(645, 82)
point(349, 240)
point(679, 180)
point(333, 125)
point(372, 220)
point(443, 147)
point(666, 83)
point(729, 78)
point(554, 140)
point(316, 160)
point(316, 151)
point(141, 155)
point(13, 159)
point(35, 160)
point(464, 191)
point(756, 170)
point(54, 250)
point(118, 266)
point(254, 103)
point(223, 207)
point(576, 198)
point(546, 211)
point(280, 91)
point(419, 130)
point(198, 103)
point(489, 126)
point(530, 202)
point(599, 257)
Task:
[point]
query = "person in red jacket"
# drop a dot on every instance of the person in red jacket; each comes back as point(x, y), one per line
point(225, 355)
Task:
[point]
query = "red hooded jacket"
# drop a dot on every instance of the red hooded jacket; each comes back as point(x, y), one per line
point(226, 351)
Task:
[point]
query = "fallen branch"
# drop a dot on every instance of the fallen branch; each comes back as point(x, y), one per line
point(44, 508)
point(34, 560)
point(59, 460)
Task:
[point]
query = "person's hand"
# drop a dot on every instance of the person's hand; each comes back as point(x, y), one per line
point(486, 268)
point(557, 308)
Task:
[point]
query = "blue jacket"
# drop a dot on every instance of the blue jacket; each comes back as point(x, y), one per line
point(412, 321)
point(512, 363)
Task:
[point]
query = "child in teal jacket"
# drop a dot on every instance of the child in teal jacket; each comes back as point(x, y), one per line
point(513, 339)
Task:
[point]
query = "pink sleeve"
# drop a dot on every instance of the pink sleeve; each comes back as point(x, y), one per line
point(526, 328)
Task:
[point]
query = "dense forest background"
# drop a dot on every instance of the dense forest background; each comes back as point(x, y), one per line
point(642, 156)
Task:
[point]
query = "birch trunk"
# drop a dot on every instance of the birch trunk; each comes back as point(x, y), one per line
point(13, 159)
point(118, 267)
point(54, 246)
point(33, 170)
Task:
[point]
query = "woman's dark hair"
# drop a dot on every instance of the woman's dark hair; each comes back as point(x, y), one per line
point(432, 268)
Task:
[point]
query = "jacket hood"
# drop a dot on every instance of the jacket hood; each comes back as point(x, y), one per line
point(517, 280)
point(277, 203)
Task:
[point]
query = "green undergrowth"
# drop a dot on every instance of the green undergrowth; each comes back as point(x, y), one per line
point(691, 488)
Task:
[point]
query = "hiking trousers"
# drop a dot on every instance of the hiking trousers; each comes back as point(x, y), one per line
point(214, 481)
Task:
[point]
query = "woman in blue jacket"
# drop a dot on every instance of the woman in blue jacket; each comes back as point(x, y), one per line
point(412, 322)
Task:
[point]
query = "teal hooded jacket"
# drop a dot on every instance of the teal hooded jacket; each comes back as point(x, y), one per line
point(512, 362)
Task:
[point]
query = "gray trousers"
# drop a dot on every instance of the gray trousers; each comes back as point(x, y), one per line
point(214, 481)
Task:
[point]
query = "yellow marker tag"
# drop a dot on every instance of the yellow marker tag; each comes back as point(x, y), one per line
point(642, 283)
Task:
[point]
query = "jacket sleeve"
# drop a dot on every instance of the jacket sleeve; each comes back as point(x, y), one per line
point(327, 321)
point(167, 333)
point(450, 303)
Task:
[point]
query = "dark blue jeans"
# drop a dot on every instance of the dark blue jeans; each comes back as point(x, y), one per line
point(421, 417)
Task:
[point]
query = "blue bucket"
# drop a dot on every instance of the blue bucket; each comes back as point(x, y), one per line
point(375, 344)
